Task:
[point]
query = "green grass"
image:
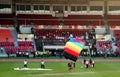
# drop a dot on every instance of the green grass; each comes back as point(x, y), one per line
point(102, 69)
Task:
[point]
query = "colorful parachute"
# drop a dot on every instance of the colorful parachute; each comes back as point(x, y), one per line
point(73, 48)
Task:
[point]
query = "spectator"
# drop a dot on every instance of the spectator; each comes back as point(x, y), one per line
point(1, 49)
point(87, 63)
point(84, 61)
point(70, 66)
point(93, 63)
point(90, 61)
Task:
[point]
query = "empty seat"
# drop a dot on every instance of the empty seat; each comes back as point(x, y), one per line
point(6, 35)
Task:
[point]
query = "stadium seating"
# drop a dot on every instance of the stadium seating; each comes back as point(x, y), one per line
point(100, 44)
point(104, 44)
point(11, 49)
point(47, 19)
point(113, 19)
point(84, 17)
point(58, 34)
point(14, 49)
point(6, 43)
point(116, 33)
point(5, 35)
point(6, 19)
point(25, 46)
point(36, 16)
point(83, 20)
point(37, 19)
point(25, 43)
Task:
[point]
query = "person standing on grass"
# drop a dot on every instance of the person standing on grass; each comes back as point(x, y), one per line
point(25, 63)
point(74, 64)
point(90, 62)
point(42, 64)
point(84, 62)
point(93, 63)
point(87, 63)
point(70, 67)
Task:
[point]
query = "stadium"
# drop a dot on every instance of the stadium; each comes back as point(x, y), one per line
point(40, 38)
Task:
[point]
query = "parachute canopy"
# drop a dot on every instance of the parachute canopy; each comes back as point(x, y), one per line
point(73, 48)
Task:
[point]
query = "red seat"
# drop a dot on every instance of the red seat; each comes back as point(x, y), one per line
point(6, 35)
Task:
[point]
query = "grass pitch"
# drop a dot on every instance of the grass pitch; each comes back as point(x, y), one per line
point(60, 69)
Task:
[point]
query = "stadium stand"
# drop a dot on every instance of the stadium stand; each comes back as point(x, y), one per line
point(52, 30)
point(40, 19)
point(84, 20)
point(59, 34)
point(113, 19)
point(6, 19)
point(37, 19)
point(6, 36)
